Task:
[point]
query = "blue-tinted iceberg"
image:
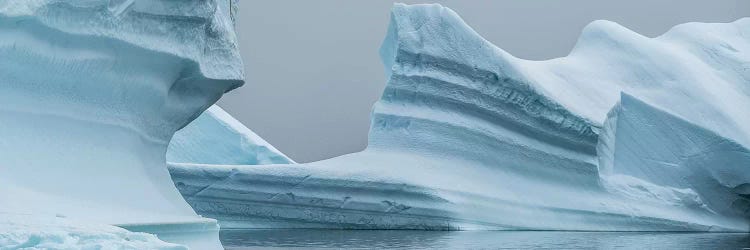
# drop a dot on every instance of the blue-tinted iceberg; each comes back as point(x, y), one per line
point(90, 95)
point(467, 136)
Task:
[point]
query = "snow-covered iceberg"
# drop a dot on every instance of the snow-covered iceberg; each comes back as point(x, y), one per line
point(91, 93)
point(466, 136)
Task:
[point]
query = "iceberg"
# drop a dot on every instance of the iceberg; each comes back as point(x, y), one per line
point(91, 93)
point(466, 136)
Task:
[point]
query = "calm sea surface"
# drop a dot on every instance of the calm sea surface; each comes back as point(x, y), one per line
point(358, 239)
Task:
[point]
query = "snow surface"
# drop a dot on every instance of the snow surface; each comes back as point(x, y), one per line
point(466, 136)
point(215, 137)
point(90, 95)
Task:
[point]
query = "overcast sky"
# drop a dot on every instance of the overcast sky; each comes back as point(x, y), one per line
point(313, 70)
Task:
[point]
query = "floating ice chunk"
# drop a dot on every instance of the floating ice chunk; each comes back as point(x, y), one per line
point(40, 232)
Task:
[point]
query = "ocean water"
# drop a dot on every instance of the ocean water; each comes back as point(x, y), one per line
point(379, 239)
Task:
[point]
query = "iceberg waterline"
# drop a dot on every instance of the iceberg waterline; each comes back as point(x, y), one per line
point(467, 136)
point(91, 93)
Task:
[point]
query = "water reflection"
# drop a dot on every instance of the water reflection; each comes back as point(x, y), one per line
point(352, 239)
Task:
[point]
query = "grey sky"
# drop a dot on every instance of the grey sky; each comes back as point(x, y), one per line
point(313, 70)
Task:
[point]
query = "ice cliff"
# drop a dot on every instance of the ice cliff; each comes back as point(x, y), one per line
point(643, 142)
point(466, 136)
point(91, 93)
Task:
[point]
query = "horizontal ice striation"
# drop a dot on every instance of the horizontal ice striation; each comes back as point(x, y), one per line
point(215, 137)
point(452, 93)
point(467, 136)
point(388, 190)
point(291, 196)
point(90, 95)
point(666, 150)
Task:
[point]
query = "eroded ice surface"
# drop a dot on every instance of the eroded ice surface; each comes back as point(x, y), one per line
point(466, 136)
point(90, 95)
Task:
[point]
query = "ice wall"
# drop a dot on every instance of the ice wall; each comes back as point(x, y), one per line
point(466, 136)
point(655, 146)
point(90, 95)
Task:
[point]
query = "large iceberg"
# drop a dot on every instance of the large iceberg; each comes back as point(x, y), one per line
point(90, 95)
point(466, 136)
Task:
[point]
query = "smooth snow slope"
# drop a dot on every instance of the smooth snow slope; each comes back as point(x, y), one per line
point(90, 95)
point(215, 137)
point(467, 136)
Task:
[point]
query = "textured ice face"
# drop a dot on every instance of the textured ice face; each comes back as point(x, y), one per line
point(467, 136)
point(90, 94)
point(649, 144)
